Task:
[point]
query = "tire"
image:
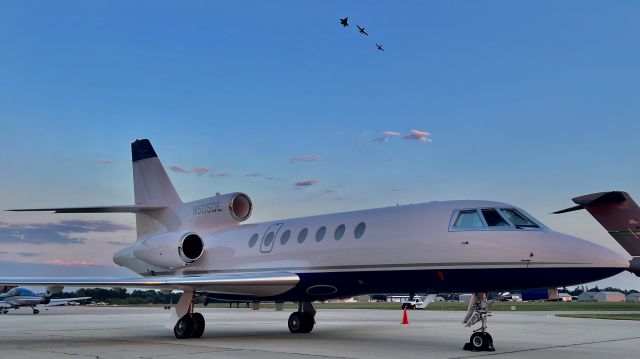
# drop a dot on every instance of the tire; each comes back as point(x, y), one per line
point(478, 342)
point(184, 327)
point(296, 323)
point(198, 320)
point(307, 322)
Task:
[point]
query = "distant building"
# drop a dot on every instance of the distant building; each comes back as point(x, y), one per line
point(633, 297)
point(464, 298)
point(587, 296)
point(609, 297)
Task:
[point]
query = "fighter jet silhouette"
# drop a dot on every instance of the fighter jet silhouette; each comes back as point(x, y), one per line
point(380, 47)
point(344, 22)
point(362, 30)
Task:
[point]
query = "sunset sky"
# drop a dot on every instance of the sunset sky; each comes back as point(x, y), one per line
point(528, 102)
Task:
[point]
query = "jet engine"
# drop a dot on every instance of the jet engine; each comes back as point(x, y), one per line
point(170, 250)
point(220, 211)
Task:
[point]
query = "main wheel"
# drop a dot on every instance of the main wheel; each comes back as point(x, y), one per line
point(296, 323)
point(307, 322)
point(35, 311)
point(184, 328)
point(198, 320)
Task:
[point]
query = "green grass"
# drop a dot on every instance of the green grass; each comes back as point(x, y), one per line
point(496, 307)
point(626, 316)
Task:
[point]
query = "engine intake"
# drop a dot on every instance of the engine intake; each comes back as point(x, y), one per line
point(240, 207)
point(191, 247)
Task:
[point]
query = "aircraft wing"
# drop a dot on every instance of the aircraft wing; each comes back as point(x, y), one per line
point(252, 284)
point(63, 301)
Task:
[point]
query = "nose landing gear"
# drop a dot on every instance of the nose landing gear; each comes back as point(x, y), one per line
point(478, 311)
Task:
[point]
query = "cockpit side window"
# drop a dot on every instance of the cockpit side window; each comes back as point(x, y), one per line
point(493, 218)
point(468, 219)
point(517, 218)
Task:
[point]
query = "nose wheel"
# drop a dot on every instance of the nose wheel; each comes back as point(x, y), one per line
point(303, 320)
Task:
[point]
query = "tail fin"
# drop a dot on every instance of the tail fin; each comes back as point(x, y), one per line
point(617, 212)
point(152, 186)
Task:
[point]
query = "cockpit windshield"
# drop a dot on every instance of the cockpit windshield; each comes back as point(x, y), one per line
point(490, 218)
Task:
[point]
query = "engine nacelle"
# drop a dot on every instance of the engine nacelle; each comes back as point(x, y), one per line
point(170, 250)
point(219, 211)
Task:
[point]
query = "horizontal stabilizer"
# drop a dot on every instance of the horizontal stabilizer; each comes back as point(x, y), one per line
point(98, 209)
point(617, 212)
point(253, 284)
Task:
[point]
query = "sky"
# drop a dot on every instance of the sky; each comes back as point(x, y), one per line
point(529, 102)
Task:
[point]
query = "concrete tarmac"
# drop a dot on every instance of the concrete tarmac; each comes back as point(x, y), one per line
point(119, 332)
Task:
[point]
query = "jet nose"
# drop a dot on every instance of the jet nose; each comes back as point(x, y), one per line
point(573, 251)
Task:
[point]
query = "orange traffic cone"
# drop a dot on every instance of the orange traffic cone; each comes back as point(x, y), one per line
point(405, 319)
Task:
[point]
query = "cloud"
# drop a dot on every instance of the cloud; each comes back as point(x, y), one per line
point(106, 162)
point(386, 135)
point(119, 243)
point(254, 174)
point(306, 183)
point(200, 170)
point(223, 174)
point(306, 158)
point(419, 136)
point(178, 169)
point(29, 254)
point(72, 262)
point(63, 232)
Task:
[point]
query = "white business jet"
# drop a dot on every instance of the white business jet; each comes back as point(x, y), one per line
point(202, 248)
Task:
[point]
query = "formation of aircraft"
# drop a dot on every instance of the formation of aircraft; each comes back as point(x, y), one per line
point(22, 297)
point(202, 248)
point(345, 23)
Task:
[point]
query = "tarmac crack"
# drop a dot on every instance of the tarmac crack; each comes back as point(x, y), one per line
point(546, 348)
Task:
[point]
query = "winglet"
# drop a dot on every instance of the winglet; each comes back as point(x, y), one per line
point(141, 150)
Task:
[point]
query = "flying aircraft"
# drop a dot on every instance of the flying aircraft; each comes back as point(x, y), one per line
point(344, 22)
point(203, 248)
point(362, 30)
point(23, 297)
point(379, 47)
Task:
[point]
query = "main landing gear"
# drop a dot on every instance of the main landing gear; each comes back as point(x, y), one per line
point(303, 320)
point(35, 311)
point(189, 324)
point(478, 312)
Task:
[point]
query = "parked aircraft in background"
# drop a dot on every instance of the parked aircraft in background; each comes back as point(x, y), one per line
point(201, 247)
point(23, 297)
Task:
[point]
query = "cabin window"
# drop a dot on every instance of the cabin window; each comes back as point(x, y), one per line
point(468, 219)
point(320, 233)
point(359, 231)
point(302, 235)
point(268, 239)
point(253, 240)
point(339, 232)
point(493, 218)
point(284, 238)
point(518, 219)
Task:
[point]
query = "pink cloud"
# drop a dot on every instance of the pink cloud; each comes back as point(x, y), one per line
point(306, 183)
point(223, 174)
point(178, 169)
point(254, 174)
point(73, 262)
point(200, 170)
point(306, 158)
point(386, 135)
point(106, 162)
point(419, 136)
